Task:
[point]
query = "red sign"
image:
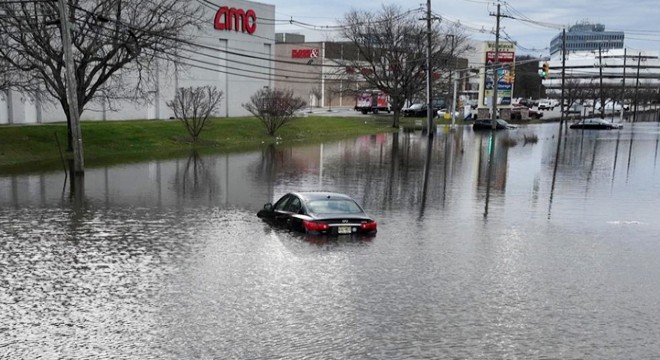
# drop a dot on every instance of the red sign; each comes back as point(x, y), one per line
point(304, 53)
point(235, 19)
point(504, 57)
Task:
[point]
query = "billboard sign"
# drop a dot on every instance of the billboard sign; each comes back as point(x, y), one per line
point(505, 75)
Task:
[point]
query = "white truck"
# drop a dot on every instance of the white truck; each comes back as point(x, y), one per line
point(367, 101)
point(548, 104)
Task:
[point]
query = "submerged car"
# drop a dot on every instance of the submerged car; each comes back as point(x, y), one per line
point(319, 213)
point(488, 125)
point(596, 124)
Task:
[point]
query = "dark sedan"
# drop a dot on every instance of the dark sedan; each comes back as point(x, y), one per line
point(322, 213)
point(596, 124)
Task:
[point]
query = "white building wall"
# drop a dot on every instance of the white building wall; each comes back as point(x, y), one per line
point(4, 108)
point(239, 64)
point(239, 67)
point(585, 66)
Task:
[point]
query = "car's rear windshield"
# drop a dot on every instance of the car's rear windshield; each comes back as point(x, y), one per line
point(333, 206)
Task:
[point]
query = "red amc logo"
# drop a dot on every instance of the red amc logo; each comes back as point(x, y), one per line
point(235, 19)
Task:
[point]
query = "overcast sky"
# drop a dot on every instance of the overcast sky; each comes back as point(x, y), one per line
point(639, 19)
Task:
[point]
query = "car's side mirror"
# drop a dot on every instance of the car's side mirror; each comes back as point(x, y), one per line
point(268, 206)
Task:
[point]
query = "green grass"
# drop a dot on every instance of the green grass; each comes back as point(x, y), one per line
point(34, 147)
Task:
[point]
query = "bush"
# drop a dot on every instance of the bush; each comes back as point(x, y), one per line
point(193, 106)
point(274, 108)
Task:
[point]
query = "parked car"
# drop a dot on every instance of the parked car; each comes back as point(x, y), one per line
point(596, 124)
point(487, 125)
point(516, 113)
point(319, 213)
point(416, 110)
point(524, 102)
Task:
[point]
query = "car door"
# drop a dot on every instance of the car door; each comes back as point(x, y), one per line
point(294, 209)
point(280, 212)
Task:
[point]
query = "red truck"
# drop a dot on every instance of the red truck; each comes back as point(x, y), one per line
point(367, 101)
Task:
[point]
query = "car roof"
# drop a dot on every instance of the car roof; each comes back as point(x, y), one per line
point(318, 195)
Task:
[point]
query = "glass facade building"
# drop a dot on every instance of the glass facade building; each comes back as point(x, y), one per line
point(587, 37)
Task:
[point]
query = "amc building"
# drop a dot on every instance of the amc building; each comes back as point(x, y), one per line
point(239, 39)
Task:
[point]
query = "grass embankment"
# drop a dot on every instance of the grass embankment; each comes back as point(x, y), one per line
point(34, 147)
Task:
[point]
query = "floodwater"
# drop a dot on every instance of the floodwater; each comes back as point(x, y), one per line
point(486, 249)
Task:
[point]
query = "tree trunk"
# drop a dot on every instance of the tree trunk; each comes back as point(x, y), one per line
point(395, 118)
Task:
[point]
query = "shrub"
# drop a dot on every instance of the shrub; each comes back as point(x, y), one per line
point(274, 108)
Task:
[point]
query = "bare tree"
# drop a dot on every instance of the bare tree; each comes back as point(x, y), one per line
point(114, 42)
point(5, 74)
point(331, 93)
point(392, 51)
point(316, 93)
point(274, 108)
point(193, 106)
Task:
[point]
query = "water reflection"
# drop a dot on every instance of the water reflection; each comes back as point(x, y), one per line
point(386, 172)
point(540, 243)
point(196, 179)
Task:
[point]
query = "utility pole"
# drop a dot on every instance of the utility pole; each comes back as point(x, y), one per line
point(639, 59)
point(429, 75)
point(451, 75)
point(496, 65)
point(72, 92)
point(623, 89)
point(563, 75)
point(600, 92)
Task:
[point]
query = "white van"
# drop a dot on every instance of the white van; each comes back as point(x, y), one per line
point(547, 104)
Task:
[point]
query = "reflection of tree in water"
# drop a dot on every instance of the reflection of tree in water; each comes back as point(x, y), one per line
point(195, 179)
point(270, 156)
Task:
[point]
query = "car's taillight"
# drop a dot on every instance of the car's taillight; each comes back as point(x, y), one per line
point(315, 226)
point(369, 226)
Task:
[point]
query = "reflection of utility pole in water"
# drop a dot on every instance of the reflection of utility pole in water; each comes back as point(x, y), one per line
point(491, 158)
point(591, 168)
point(616, 155)
point(394, 161)
point(554, 172)
point(76, 185)
point(632, 140)
point(447, 156)
point(427, 170)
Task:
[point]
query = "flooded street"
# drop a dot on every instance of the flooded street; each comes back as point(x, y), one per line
point(487, 247)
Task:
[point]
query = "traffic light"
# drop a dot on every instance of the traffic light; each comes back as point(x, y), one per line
point(545, 72)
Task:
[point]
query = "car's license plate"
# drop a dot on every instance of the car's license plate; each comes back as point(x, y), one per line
point(344, 230)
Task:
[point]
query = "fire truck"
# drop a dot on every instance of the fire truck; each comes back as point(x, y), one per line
point(373, 101)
